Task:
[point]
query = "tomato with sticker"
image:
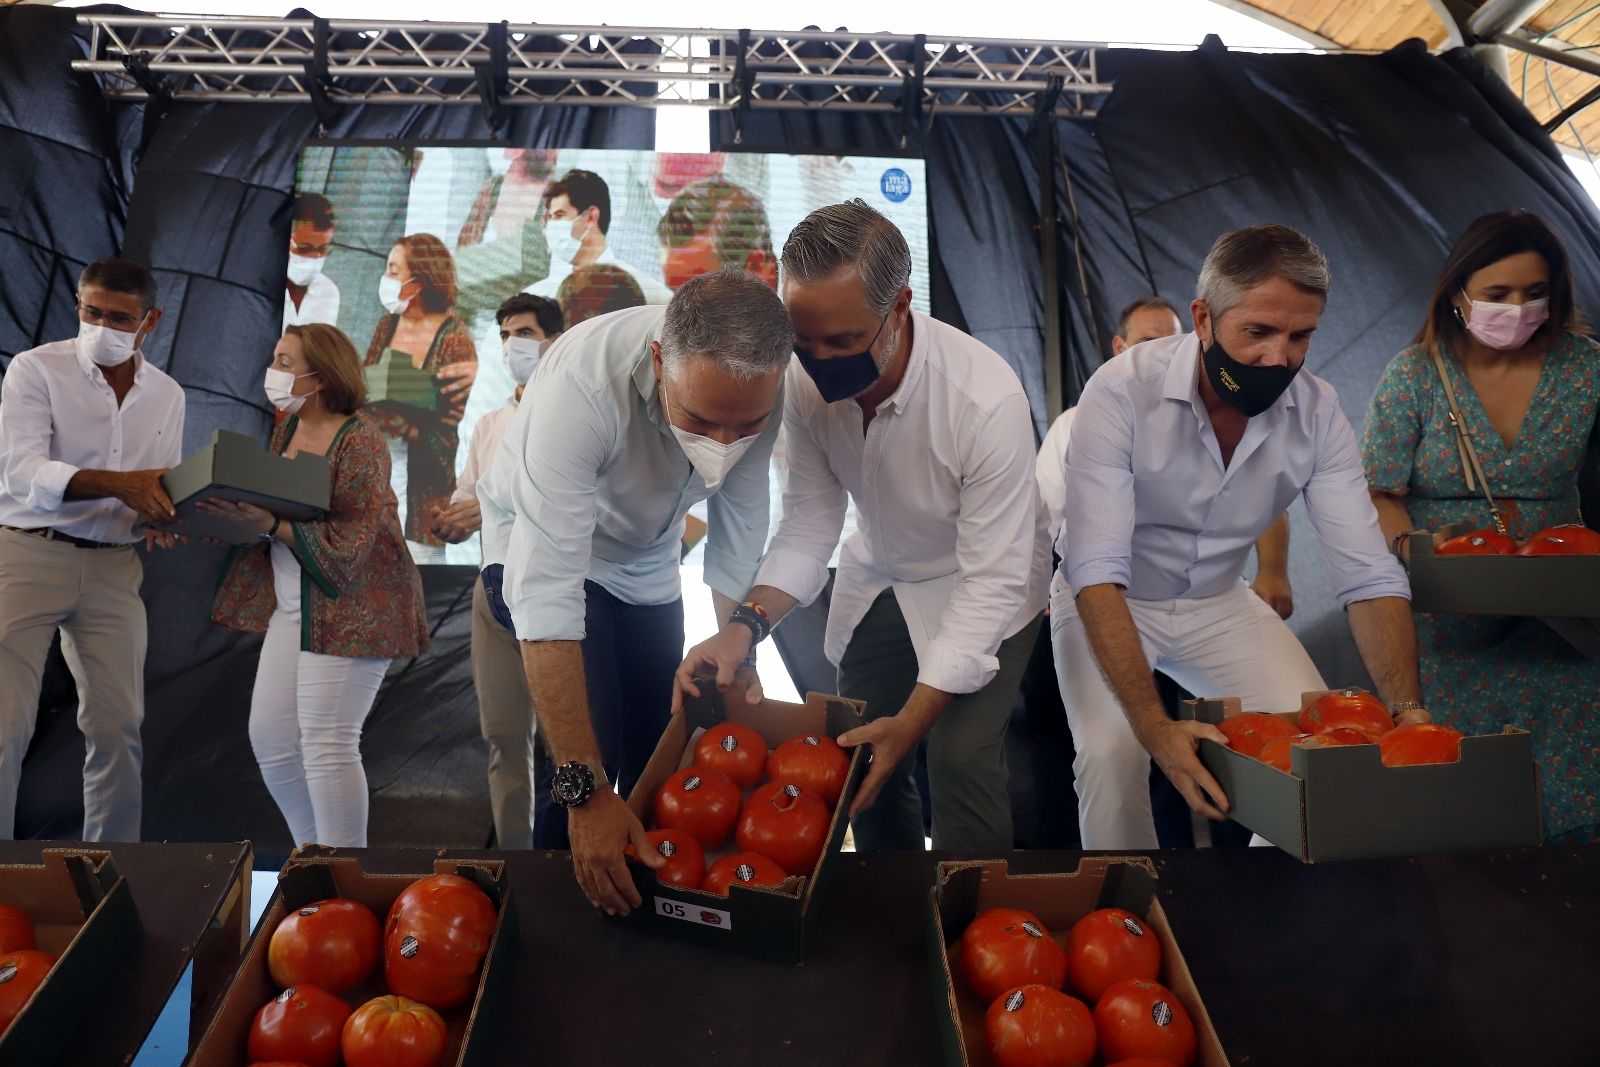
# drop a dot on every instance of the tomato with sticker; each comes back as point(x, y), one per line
point(1004, 948)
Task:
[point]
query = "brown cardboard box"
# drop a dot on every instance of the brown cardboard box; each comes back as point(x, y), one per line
point(768, 923)
point(1564, 591)
point(234, 467)
point(1342, 803)
point(83, 915)
point(314, 873)
point(962, 890)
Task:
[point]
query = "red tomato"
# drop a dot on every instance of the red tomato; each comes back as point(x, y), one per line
point(813, 762)
point(1107, 946)
point(1353, 708)
point(1344, 735)
point(686, 860)
point(1275, 753)
point(1569, 540)
point(701, 800)
point(16, 929)
point(332, 944)
point(1478, 543)
point(21, 973)
point(1038, 1026)
point(279, 1063)
point(1142, 1061)
point(1247, 732)
point(786, 824)
point(1419, 743)
point(737, 750)
point(745, 868)
point(1138, 1017)
point(393, 1032)
point(301, 1025)
point(1004, 948)
point(435, 939)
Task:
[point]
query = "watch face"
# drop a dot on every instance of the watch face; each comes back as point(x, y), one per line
point(573, 783)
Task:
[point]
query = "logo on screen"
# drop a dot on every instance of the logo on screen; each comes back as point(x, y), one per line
point(896, 185)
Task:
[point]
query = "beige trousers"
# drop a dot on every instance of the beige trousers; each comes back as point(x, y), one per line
point(505, 715)
point(92, 597)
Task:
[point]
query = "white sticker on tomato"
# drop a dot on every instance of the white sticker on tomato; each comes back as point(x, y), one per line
point(1161, 1013)
point(287, 995)
point(691, 783)
point(1032, 930)
point(409, 947)
point(310, 909)
point(728, 742)
point(8, 971)
point(1133, 927)
point(812, 740)
point(667, 848)
point(744, 872)
point(1016, 1000)
point(791, 790)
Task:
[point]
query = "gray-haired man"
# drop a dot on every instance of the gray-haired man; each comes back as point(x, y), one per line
point(940, 589)
point(632, 418)
point(1184, 450)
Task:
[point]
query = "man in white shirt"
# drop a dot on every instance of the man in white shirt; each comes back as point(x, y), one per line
point(309, 295)
point(528, 324)
point(87, 428)
point(1146, 319)
point(940, 589)
point(577, 218)
point(632, 419)
point(1184, 450)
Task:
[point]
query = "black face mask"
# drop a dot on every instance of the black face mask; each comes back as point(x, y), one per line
point(843, 377)
point(1250, 389)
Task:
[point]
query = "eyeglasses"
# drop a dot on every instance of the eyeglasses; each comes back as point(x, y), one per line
point(117, 320)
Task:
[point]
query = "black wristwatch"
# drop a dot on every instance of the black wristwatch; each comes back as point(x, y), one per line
point(574, 783)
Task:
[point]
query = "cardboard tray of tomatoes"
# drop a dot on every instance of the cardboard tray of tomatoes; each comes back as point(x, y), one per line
point(963, 890)
point(1504, 583)
point(315, 873)
point(767, 922)
point(1343, 803)
point(82, 914)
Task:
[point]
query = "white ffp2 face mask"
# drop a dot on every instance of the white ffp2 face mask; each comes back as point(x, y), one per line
point(303, 268)
point(106, 347)
point(522, 357)
point(712, 460)
point(280, 390)
point(564, 247)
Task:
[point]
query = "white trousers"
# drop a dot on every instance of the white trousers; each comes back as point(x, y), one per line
point(305, 726)
point(1231, 644)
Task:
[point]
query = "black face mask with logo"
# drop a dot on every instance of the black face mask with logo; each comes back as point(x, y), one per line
point(1250, 389)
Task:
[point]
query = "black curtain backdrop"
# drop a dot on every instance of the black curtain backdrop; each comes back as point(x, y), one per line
point(206, 202)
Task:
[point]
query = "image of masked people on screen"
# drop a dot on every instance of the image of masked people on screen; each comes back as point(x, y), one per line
point(512, 195)
point(590, 292)
point(577, 218)
point(715, 224)
point(412, 396)
point(310, 295)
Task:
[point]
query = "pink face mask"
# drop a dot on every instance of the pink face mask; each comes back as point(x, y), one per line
point(1506, 326)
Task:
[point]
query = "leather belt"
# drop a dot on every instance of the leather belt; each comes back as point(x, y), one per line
point(50, 534)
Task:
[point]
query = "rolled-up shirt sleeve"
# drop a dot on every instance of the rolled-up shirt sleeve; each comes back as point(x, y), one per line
point(995, 538)
point(1097, 521)
point(1346, 522)
point(813, 510)
point(26, 469)
point(552, 488)
point(739, 514)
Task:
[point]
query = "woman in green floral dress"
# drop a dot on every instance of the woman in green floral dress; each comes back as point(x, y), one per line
point(1526, 378)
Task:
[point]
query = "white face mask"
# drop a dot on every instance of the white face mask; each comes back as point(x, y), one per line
point(280, 390)
point(712, 459)
point(303, 268)
point(564, 247)
point(107, 347)
point(522, 357)
point(499, 162)
point(389, 292)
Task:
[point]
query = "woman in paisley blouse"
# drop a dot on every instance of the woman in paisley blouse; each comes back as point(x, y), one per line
point(1526, 377)
point(337, 598)
point(420, 365)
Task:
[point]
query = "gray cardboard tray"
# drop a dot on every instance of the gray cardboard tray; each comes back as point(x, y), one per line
point(235, 467)
point(1558, 586)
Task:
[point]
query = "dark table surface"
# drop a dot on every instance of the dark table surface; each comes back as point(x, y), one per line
point(1459, 960)
point(177, 891)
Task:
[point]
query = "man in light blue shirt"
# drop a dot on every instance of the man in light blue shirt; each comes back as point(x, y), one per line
point(1184, 451)
point(631, 419)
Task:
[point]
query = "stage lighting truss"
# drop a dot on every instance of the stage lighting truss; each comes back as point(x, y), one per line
point(329, 62)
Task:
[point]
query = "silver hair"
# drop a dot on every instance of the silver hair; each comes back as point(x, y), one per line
point(733, 319)
point(850, 235)
point(1243, 259)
